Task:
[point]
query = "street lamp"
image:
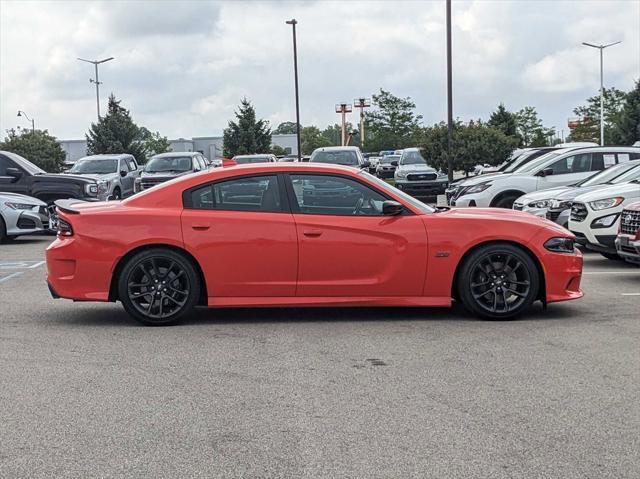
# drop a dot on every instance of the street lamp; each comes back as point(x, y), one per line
point(343, 109)
point(361, 103)
point(96, 81)
point(293, 22)
point(33, 123)
point(449, 96)
point(601, 48)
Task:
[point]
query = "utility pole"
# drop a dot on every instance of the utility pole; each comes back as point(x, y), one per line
point(601, 48)
point(33, 123)
point(97, 80)
point(343, 109)
point(449, 98)
point(362, 103)
point(293, 22)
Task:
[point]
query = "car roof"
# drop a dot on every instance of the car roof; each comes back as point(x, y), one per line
point(337, 148)
point(254, 155)
point(106, 156)
point(176, 154)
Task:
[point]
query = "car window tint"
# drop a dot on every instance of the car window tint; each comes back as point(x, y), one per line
point(597, 162)
point(4, 164)
point(335, 195)
point(572, 164)
point(255, 193)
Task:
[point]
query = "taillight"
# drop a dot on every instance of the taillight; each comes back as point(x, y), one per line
point(64, 228)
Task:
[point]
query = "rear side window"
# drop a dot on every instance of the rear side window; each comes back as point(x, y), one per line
point(255, 193)
point(597, 162)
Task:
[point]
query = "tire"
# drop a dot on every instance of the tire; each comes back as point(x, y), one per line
point(611, 256)
point(149, 271)
point(506, 201)
point(117, 195)
point(482, 278)
point(3, 231)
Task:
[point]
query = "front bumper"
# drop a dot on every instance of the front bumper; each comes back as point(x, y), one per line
point(424, 189)
point(601, 240)
point(628, 248)
point(27, 222)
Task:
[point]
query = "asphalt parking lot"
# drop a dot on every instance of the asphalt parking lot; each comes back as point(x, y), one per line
point(87, 392)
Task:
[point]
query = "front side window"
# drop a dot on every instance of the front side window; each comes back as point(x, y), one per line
point(255, 193)
point(4, 164)
point(572, 164)
point(132, 164)
point(335, 195)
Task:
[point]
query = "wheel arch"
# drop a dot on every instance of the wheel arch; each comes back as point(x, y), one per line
point(504, 194)
point(113, 284)
point(542, 289)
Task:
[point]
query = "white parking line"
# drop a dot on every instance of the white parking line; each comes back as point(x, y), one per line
point(630, 294)
point(12, 275)
point(20, 264)
point(611, 272)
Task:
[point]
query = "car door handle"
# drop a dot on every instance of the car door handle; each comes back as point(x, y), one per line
point(312, 233)
point(200, 226)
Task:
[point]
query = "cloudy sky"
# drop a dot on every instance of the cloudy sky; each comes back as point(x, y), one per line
point(182, 67)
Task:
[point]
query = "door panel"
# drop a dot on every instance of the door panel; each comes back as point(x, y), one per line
point(361, 255)
point(243, 253)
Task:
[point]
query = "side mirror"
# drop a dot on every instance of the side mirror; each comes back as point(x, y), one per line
point(123, 173)
point(366, 164)
point(546, 172)
point(15, 173)
point(391, 208)
point(394, 163)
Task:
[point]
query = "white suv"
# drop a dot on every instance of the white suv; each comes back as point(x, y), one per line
point(595, 216)
point(558, 168)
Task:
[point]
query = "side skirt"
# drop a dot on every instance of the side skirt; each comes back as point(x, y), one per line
point(311, 301)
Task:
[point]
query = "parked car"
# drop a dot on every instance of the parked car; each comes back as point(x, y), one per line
point(415, 177)
point(558, 168)
point(386, 166)
point(628, 240)
point(190, 242)
point(118, 172)
point(595, 216)
point(244, 159)
point(166, 166)
point(21, 215)
point(340, 155)
point(511, 165)
point(19, 175)
point(374, 161)
point(555, 203)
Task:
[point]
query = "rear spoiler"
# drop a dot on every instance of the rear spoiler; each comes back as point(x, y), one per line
point(66, 206)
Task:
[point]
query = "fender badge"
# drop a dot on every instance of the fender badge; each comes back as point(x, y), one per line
point(442, 254)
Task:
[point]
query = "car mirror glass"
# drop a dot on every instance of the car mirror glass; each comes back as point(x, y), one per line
point(391, 208)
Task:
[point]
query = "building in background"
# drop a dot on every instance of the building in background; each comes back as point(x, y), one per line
point(209, 146)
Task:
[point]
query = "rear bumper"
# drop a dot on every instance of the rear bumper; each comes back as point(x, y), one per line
point(628, 248)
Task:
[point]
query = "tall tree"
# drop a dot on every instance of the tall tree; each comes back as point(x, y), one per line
point(311, 138)
point(39, 147)
point(589, 127)
point(285, 128)
point(247, 135)
point(333, 133)
point(530, 128)
point(392, 124)
point(505, 121)
point(626, 130)
point(116, 133)
point(154, 143)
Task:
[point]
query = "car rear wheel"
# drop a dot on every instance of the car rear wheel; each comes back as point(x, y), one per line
point(498, 281)
point(158, 286)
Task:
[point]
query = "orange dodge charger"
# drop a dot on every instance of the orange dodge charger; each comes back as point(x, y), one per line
point(287, 234)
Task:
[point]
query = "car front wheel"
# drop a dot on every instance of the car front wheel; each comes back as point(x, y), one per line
point(498, 281)
point(158, 286)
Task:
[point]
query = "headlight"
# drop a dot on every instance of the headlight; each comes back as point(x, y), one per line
point(560, 245)
point(400, 174)
point(604, 221)
point(540, 204)
point(606, 203)
point(91, 189)
point(19, 206)
point(559, 204)
point(477, 188)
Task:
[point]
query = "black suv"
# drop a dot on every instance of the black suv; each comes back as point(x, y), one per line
point(166, 166)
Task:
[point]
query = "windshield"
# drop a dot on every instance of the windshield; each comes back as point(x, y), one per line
point(629, 175)
point(386, 160)
point(95, 167)
point(412, 158)
point(533, 164)
point(170, 164)
point(383, 185)
point(243, 160)
point(610, 175)
point(348, 158)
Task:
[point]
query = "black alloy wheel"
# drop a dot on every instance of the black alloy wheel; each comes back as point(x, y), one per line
point(158, 286)
point(498, 281)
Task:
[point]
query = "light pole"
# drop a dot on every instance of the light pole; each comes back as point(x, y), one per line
point(97, 80)
point(449, 98)
point(362, 103)
point(343, 109)
point(293, 22)
point(33, 123)
point(601, 48)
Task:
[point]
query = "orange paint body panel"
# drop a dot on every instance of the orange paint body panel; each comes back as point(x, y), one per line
point(250, 258)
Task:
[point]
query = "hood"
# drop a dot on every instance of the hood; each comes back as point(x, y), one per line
point(64, 176)
point(476, 180)
point(571, 193)
point(502, 214)
point(163, 174)
point(550, 194)
point(628, 190)
point(18, 198)
point(95, 177)
point(421, 168)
